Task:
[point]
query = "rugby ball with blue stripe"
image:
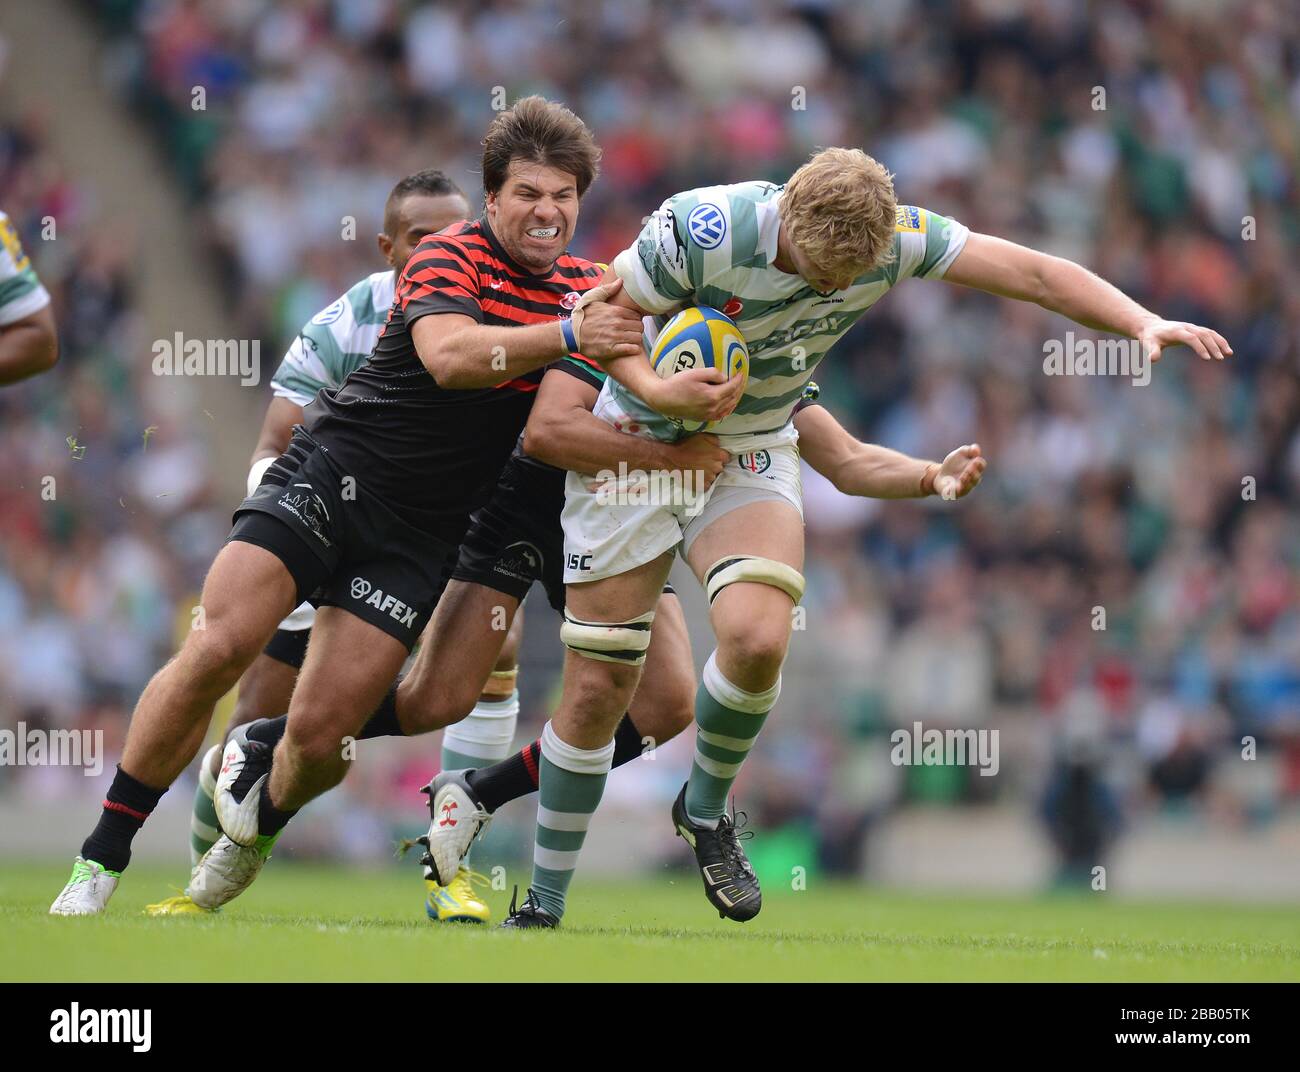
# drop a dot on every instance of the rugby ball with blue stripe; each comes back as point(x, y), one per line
point(700, 337)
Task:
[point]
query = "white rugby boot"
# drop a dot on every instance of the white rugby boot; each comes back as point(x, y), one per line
point(87, 891)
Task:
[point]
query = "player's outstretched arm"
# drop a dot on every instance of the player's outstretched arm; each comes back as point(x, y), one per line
point(562, 431)
point(876, 472)
point(28, 346)
point(461, 353)
point(1013, 271)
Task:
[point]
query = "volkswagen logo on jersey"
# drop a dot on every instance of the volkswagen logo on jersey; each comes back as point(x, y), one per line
point(758, 463)
point(360, 588)
point(707, 225)
point(330, 313)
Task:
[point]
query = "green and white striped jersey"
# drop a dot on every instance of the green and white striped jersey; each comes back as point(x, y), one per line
point(21, 293)
point(715, 246)
point(336, 340)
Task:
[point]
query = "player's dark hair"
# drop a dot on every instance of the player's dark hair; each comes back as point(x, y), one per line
point(430, 182)
point(542, 132)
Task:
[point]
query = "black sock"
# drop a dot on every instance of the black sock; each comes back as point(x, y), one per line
point(517, 776)
point(269, 731)
point(383, 723)
point(507, 780)
point(627, 742)
point(270, 819)
point(126, 806)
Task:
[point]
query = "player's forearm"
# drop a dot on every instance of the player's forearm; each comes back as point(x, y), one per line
point(26, 348)
point(485, 355)
point(876, 472)
point(579, 440)
point(634, 373)
point(277, 428)
point(1087, 299)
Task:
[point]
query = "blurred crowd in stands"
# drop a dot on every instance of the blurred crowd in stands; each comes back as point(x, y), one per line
point(1119, 597)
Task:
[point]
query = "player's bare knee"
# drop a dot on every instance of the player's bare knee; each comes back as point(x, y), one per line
point(214, 657)
point(316, 748)
point(752, 653)
point(602, 689)
point(427, 704)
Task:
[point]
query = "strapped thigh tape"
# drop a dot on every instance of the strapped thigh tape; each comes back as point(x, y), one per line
point(735, 568)
point(611, 642)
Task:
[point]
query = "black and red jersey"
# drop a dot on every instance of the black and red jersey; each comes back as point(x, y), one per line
point(432, 453)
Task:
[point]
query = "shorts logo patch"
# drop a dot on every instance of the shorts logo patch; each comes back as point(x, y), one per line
point(360, 587)
point(392, 606)
point(758, 462)
point(309, 508)
point(707, 225)
point(521, 561)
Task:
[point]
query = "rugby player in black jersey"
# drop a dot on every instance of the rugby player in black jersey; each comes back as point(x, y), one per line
point(364, 510)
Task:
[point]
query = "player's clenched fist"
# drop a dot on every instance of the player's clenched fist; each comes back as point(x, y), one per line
point(602, 330)
point(700, 454)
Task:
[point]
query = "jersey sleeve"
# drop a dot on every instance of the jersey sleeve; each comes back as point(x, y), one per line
point(925, 243)
point(657, 268)
point(322, 355)
point(582, 369)
point(690, 240)
point(21, 293)
point(440, 277)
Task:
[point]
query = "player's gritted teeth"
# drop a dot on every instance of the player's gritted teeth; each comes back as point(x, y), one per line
point(544, 243)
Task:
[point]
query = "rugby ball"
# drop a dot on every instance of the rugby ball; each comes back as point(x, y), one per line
point(699, 337)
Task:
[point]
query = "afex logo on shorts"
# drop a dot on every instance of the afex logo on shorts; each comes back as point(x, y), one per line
point(374, 597)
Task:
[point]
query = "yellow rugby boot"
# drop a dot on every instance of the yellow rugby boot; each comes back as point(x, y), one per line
point(458, 901)
point(180, 905)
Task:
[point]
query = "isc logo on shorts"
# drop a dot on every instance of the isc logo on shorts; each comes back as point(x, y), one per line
point(363, 590)
point(578, 563)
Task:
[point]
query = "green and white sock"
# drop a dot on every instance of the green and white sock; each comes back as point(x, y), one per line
point(481, 738)
point(727, 721)
point(570, 783)
point(205, 829)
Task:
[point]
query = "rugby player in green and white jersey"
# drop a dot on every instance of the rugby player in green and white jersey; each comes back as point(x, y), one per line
point(331, 345)
point(795, 266)
point(29, 342)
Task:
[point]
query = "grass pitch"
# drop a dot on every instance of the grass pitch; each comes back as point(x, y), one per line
point(307, 923)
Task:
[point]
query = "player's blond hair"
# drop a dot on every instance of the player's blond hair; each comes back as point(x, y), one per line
point(839, 209)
